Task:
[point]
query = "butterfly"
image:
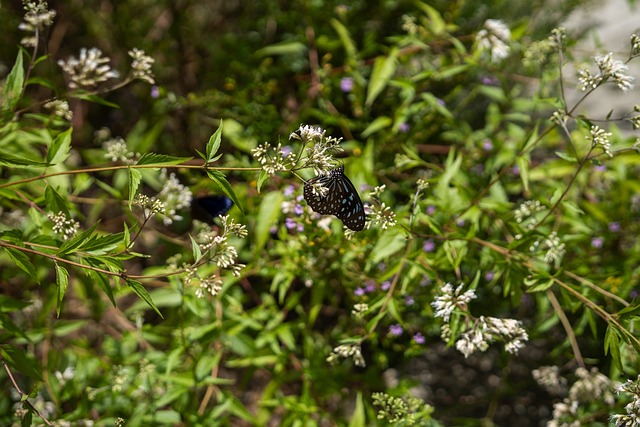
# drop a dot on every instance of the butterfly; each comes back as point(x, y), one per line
point(208, 208)
point(341, 198)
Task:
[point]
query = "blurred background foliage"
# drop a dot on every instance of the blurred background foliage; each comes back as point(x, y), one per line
point(256, 353)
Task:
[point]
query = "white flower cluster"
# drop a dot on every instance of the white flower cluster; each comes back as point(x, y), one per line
point(319, 148)
point(60, 109)
point(554, 247)
point(221, 252)
point(36, 18)
point(481, 332)
point(141, 65)
point(600, 137)
point(63, 225)
point(450, 300)
point(608, 69)
point(151, 205)
point(116, 150)
point(632, 417)
point(274, 160)
point(527, 211)
point(88, 70)
point(494, 38)
point(174, 196)
point(591, 386)
point(347, 351)
point(488, 329)
point(549, 378)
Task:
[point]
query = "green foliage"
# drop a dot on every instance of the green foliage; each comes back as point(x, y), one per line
point(501, 232)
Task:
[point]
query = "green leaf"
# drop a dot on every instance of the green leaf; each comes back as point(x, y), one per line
point(62, 281)
point(102, 280)
point(268, 214)
point(195, 249)
point(437, 24)
point(283, 48)
point(376, 125)
point(142, 292)
point(214, 144)
point(59, 148)
point(390, 242)
point(77, 241)
point(95, 99)
point(346, 40)
point(14, 83)
point(358, 418)
point(20, 361)
point(22, 260)
point(538, 285)
point(161, 159)
point(55, 202)
point(134, 182)
point(16, 162)
point(383, 70)
point(566, 156)
point(261, 179)
point(612, 346)
point(523, 165)
point(222, 182)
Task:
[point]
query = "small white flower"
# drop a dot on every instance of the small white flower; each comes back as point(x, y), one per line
point(88, 70)
point(141, 65)
point(600, 137)
point(494, 38)
point(450, 299)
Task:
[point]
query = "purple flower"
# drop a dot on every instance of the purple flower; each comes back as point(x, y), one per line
point(346, 84)
point(418, 338)
point(155, 91)
point(487, 145)
point(290, 223)
point(515, 170)
point(298, 209)
point(431, 210)
point(408, 300)
point(288, 190)
point(286, 150)
point(460, 222)
point(489, 276)
point(597, 242)
point(370, 286)
point(426, 280)
point(441, 102)
point(489, 81)
point(600, 168)
point(404, 127)
point(614, 227)
point(385, 285)
point(395, 330)
point(428, 245)
point(359, 291)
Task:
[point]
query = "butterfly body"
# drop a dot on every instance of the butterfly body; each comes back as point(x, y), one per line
point(341, 198)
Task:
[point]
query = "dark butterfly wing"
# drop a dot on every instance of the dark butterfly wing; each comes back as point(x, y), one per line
point(351, 209)
point(209, 207)
point(341, 198)
point(317, 202)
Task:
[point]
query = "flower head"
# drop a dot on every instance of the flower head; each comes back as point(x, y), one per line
point(37, 17)
point(141, 65)
point(494, 38)
point(608, 69)
point(88, 70)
